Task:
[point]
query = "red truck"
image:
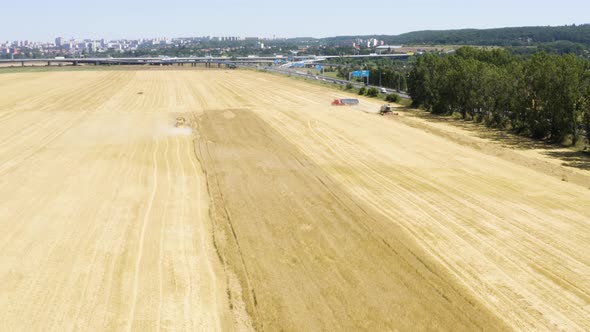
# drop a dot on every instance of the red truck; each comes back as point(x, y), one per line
point(343, 102)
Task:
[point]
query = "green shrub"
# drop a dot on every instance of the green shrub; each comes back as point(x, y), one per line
point(362, 91)
point(349, 86)
point(372, 92)
point(393, 98)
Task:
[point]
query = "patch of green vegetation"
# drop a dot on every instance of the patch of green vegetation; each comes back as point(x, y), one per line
point(544, 97)
point(330, 74)
point(405, 102)
point(372, 92)
point(348, 88)
point(393, 98)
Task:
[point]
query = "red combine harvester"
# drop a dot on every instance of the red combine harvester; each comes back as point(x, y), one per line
point(345, 102)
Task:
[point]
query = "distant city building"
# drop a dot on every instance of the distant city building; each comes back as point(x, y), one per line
point(388, 48)
point(192, 46)
point(382, 47)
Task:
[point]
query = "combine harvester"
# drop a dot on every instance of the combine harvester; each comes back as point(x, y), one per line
point(386, 109)
point(345, 102)
point(180, 122)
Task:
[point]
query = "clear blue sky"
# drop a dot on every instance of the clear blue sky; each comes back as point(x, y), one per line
point(36, 20)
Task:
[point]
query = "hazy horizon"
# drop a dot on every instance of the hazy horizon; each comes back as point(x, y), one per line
point(39, 21)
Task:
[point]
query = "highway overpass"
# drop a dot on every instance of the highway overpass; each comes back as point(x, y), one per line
point(192, 60)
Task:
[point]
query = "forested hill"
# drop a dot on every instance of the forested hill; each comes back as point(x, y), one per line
point(503, 36)
point(521, 36)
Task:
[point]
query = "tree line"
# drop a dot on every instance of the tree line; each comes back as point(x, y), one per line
point(518, 36)
point(544, 96)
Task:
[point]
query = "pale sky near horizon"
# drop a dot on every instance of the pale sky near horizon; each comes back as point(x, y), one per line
point(37, 20)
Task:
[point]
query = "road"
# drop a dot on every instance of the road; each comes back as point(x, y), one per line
point(271, 210)
point(291, 72)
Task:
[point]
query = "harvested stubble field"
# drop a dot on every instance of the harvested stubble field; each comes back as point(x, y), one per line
point(271, 210)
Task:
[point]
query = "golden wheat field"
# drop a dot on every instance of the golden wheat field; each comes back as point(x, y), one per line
point(149, 200)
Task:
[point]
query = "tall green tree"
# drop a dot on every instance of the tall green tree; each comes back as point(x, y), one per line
point(546, 96)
